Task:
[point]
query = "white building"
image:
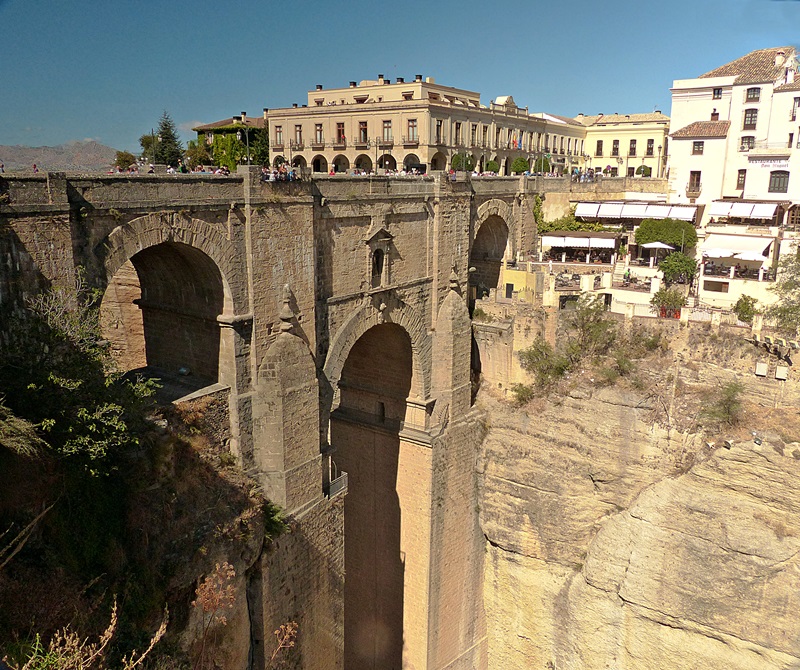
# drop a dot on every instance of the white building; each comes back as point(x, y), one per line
point(735, 143)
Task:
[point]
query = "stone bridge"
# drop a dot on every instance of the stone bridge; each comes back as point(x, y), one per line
point(334, 316)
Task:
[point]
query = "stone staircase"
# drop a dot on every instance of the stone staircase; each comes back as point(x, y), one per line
point(619, 271)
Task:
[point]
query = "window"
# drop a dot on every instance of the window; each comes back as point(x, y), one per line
point(717, 95)
point(748, 142)
point(340, 138)
point(795, 105)
point(778, 181)
point(791, 140)
point(740, 179)
point(614, 172)
point(631, 171)
point(632, 148)
point(298, 134)
point(387, 131)
point(650, 144)
point(408, 96)
point(485, 135)
point(715, 115)
point(750, 118)
point(319, 138)
point(412, 130)
point(457, 138)
point(615, 148)
point(473, 135)
point(599, 149)
point(439, 125)
point(279, 135)
point(753, 94)
point(697, 147)
point(497, 138)
point(694, 180)
point(363, 134)
point(377, 268)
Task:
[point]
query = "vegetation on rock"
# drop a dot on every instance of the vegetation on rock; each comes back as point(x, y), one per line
point(679, 234)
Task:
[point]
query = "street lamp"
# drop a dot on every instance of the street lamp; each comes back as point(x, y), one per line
point(247, 141)
point(153, 144)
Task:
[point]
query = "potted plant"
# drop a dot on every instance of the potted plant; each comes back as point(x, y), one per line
point(668, 302)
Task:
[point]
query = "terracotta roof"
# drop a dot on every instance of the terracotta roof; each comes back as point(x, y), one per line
point(794, 86)
point(757, 67)
point(603, 119)
point(250, 122)
point(703, 129)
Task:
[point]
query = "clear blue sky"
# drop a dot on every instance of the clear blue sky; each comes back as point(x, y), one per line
point(105, 70)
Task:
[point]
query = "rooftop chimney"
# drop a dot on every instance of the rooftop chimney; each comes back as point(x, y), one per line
point(418, 77)
point(780, 57)
point(656, 111)
point(352, 84)
point(294, 104)
point(319, 87)
point(266, 110)
point(401, 80)
point(244, 117)
point(237, 118)
point(380, 79)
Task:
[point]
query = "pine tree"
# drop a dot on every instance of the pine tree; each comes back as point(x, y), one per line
point(169, 149)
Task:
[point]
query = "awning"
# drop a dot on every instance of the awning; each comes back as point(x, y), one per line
point(764, 210)
point(602, 242)
point(658, 211)
point(552, 241)
point(587, 209)
point(636, 210)
point(743, 210)
point(716, 244)
point(719, 208)
point(610, 210)
point(578, 242)
point(682, 213)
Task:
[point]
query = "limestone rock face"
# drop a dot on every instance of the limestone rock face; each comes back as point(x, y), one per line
point(608, 550)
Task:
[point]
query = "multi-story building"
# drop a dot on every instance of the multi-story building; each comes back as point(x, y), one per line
point(734, 147)
point(386, 125)
point(626, 145)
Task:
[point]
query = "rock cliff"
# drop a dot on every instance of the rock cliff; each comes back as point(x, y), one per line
point(618, 536)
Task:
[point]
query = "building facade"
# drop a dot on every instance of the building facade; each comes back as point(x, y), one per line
point(735, 133)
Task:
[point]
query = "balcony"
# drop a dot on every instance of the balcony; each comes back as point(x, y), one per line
point(362, 143)
point(440, 140)
point(318, 145)
point(277, 146)
point(340, 143)
point(693, 189)
point(386, 142)
point(770, 149)
point(410, 141)
point(297, 146)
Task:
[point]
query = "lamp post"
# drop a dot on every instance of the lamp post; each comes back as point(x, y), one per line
point(153, 144)
point(247, 141)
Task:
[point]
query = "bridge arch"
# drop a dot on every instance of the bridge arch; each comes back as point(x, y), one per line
point(491, 242)
point(171, 283)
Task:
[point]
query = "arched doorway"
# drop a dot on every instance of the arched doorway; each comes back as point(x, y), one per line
point(438, 161)
point(279, 160)
point(486, 256)
point(341, 164)
point(365, 431)
point(411, 160)
point(387, 162)
point(160, 311)
point(319, 163)
point(363, 162)
point(299, 162)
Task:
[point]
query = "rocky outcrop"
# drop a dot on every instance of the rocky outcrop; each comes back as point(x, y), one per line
point(616, 542)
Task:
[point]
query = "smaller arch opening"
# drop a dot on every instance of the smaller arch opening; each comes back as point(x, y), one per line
point(378, 258)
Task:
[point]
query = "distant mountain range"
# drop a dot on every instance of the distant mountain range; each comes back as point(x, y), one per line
point(70, 157)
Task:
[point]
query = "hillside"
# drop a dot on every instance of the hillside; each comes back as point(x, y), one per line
point(69, 157)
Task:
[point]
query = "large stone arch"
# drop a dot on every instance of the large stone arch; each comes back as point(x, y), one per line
point(499, 208)
point(368, 315)
point(492, 240)
point(127, 240)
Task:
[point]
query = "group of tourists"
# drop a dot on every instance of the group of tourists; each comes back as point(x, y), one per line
point(281, 173)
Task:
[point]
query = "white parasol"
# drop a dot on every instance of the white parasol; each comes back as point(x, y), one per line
point(751, 256)
point(657, 245)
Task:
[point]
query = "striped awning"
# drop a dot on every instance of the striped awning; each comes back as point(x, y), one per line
point(587, 209)
point(610, 210)
point(634, 210)
point(552, 241)
point(742, 210)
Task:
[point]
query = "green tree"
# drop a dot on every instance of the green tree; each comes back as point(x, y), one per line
point(668, 298)
point(542, 164)
point(678, 265)
point(538, 212)
point(124, 159)
point(746, 308)
point(569, 222)
point(669, 231)
point(169, 149)
point(148, 142)
point(259, 146)
point(492, 166)
point(197, 153)
point(519, 165)
point(228, 150)
point(463, 162)
point(644, 170)
point(786, 311)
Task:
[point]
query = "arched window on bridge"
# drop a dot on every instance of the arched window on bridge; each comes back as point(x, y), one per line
point(379, 243)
